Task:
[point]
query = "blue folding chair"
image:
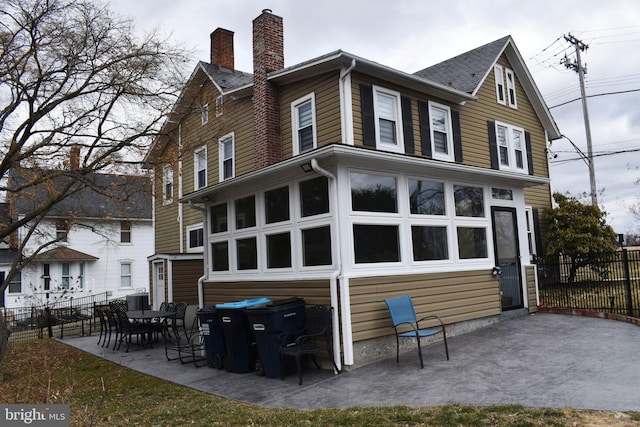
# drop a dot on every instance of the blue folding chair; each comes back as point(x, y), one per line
point(402, 313)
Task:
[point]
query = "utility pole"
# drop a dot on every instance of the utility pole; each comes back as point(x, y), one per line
point(577, 67)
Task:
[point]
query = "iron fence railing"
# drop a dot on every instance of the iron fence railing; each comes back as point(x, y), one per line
point(607, 282)
point(71, 316)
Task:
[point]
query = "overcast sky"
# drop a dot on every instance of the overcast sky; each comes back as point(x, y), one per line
point(413, 34)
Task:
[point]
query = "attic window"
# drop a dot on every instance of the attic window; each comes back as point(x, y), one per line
point(205, 114)
point(511, 88)
point(499, 75)
point(219, 106)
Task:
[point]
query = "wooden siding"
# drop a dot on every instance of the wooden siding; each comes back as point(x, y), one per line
point(185, 275)
point(530, 274)
point(455, 297)
point(326, 89)
point(313, 292)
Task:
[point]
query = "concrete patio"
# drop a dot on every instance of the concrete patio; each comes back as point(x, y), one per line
point(543, 360)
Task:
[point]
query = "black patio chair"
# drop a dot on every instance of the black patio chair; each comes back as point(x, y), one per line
point(186, 345)
point(404, 315)
point(105, 327)
point(142, 331)
point(119, 305)
point(315, 338)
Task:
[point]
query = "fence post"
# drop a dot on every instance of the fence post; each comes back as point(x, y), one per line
point(47, 315)
point(627, 282)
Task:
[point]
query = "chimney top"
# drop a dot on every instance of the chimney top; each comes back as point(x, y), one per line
point(222, 48)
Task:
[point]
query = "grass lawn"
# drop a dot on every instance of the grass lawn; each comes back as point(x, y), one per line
point(101, 393)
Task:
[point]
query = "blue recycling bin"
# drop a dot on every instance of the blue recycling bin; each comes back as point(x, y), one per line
point(214, 346)
point(238, 338)
point(268, 323)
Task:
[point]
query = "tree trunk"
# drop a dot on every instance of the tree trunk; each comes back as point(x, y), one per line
point(4, 341)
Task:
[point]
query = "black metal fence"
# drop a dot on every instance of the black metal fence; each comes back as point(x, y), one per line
point(607, 282)
point(72, 316)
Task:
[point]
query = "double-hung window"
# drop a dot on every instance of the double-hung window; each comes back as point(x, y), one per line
point(205, 114)
point(303, 116)
point(167, 184)
point(15, 285)
point(510, 143)
point(226, 156)
point(125, 231)
point(62, 231)
point(200, 163)
point(511, 88)
point(499, 76)
point(195, 238)
point(388, 125)
point(441, 132)
point(126, 274)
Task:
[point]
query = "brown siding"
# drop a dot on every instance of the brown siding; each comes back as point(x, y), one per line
point(455, 297)
point(474, 117)
point(185, 280)
point(313, 292)
point(530, 274)
point(327, 95)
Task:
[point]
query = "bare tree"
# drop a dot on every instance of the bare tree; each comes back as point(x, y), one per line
point(73, 74)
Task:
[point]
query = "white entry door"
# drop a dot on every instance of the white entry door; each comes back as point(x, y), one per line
point(158, 284)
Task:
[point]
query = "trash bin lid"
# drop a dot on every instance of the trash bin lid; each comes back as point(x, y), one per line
point(285, 301)
point(244, 304)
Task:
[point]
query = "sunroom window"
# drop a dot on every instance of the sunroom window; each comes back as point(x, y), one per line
point(373, 193)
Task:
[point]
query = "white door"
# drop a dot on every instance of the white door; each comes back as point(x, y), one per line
point(158, 284)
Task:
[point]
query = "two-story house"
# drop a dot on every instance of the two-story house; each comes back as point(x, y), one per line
point(344, 181)
point(103, 234)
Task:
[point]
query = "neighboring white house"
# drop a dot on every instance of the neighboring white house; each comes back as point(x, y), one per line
point(104, 240)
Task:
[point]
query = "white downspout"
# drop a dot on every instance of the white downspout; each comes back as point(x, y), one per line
point(180, 208)
point(333, 280)
point(205, 253)
point(346, 107)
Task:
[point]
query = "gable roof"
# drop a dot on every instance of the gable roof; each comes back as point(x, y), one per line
point(468, 71)
point(98, 196)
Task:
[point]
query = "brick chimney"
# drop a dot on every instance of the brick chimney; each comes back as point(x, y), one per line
point(268, 56)
point(74, 157)
point(222, 48)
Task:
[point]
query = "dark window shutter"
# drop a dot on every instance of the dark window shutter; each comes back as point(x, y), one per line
point(425, 128)
point(493, 145)
point(527, 140)
point(407, 125)
point(536, 232)
point(368, 119)
point(457, 136)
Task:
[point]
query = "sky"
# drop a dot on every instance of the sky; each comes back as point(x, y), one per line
point(410, 35)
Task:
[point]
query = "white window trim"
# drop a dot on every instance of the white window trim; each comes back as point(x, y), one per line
point(531, 235)
point(511, 149)
point(167, 174)
point(294, 226)
point(219, 106)
point(221, 158)
point(511, 87)
point(120, 264)
point(189, 229)
point(399, 147)
point(205, 114)
point(295, 125)
point(500, 87)
point(450, 157)
point(196, 153)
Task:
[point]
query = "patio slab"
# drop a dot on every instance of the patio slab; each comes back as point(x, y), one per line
point(543, 360)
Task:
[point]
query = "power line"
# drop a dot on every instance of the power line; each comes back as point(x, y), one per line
point(611, 153)
point(596, 95)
